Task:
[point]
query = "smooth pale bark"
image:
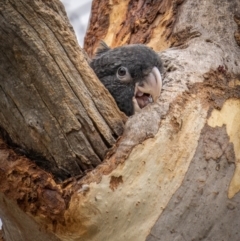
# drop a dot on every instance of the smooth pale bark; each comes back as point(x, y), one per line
point(174, 173)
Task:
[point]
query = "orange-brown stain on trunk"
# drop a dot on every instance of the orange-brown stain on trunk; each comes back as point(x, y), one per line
point(115, 182)
point(33, 189)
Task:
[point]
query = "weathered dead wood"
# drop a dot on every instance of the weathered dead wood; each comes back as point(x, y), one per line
point(52, 105)
point(132, 21)
point(27, 190)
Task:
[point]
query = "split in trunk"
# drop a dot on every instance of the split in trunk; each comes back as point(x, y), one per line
point(174, 172)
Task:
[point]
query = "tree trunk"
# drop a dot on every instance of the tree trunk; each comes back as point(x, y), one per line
point(174, 172)
point(52, 104)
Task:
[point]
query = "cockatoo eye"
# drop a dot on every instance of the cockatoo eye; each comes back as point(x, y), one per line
point(123, 74)
point(122, 71)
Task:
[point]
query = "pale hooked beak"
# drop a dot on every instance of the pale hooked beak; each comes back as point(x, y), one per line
point(147, 91)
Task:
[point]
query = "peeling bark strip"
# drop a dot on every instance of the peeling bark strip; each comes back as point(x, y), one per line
point(50, 100)
point(132, 21)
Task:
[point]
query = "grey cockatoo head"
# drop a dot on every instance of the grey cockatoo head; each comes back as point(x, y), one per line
point(131, 73)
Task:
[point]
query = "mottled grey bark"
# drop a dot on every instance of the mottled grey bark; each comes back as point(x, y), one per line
point(201, 209)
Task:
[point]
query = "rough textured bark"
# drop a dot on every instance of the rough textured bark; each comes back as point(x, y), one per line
point(174, 173)
point(131, 21)
point(51, 103)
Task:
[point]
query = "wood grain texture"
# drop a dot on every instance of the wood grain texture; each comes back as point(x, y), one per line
point(50, 100)
point(130, 22)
